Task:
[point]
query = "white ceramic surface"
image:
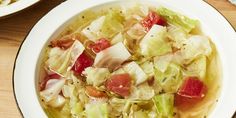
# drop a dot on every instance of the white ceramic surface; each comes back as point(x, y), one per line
point(213, 24)
point(15, 7)
point(233, 1)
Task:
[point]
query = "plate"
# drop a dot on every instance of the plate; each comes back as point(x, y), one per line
point(233, 1)
point(212, 22)
point(16, 6)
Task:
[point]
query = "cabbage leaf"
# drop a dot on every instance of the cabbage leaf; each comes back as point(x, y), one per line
point(136, 72)
point(164, 105)
point(53, 91)
point(177, 19)
point(96, 76)
point(60, 63)
point(154, 42)
point(177, 35)
point(148, 68)
point(196, 46)
point(96, 110)
point(197, 67)
point(171, 79)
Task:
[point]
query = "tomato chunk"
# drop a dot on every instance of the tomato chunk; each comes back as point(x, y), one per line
point(191, 92)
point(119, 84)
point(93, 92)
point(151, 19)
point(42, 84)
point(81, 63)
point(100, 45)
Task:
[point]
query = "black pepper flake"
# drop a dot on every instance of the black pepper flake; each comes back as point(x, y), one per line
point(83, 17)
point(88, 28)
point(174, 114)
point(162, 91)
point(121, 12)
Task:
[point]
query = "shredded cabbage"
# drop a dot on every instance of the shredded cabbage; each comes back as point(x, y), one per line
point(137, 31)
point(105, 26)
point(112, 24)
point(164, 105)
point(196, 46)
point(118, 38)
point(75, 105)
point(197, 68)
point(61, 63)
point(142, 92)
point(177, 19)
point(96, 110)
point(148, 68)
point(93, 31)
point(96, 76)
point(53, 91)
point(177, 35)
point(154, 43)
point(162, 62)
point(171, 79)
point(112, 57)
point(136, 72)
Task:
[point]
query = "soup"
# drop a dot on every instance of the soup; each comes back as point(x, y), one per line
point(130, 62)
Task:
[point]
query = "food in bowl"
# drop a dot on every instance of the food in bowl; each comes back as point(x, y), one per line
point(124, 62)
point(6, 2)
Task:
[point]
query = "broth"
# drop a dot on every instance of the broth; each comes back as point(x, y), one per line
point(78, 94)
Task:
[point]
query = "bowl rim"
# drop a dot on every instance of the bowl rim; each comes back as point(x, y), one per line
point(16, 7)
point(21, 45)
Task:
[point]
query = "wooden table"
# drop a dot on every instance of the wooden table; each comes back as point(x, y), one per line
point(14, 29)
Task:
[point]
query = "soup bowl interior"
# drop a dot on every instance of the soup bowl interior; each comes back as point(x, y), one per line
point(29, 58)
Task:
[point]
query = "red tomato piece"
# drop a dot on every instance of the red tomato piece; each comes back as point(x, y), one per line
point(92, 91)
point(191, 92)
point(192, 88)
point(151, 19)
point(81, 63)
point(42, 84)
point(100, 45)
point(54, 76)
point(119, 84)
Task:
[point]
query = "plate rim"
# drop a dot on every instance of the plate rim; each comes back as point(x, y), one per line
point(12, 12)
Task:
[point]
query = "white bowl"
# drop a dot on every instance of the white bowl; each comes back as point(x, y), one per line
point(213, 24)
point(16, 6)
